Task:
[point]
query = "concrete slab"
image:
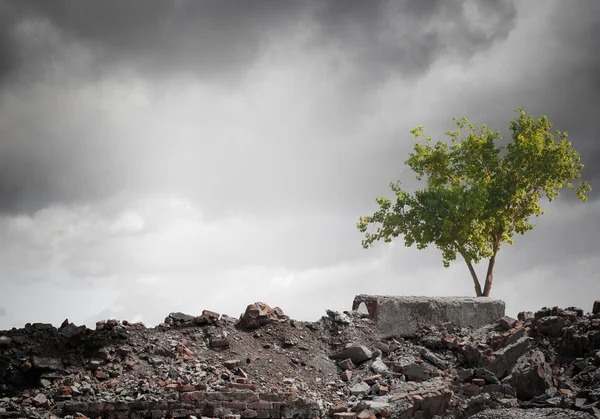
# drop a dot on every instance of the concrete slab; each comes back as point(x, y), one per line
point(403, 316)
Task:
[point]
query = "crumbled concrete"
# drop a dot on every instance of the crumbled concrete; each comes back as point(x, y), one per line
point(404, 316)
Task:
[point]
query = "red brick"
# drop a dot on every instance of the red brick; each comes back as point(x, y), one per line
point(238, 386)
point(259, 405)
point(372, 379)
point(182, 388)
point(215, 396)
point(193, 396)
point(235, 405)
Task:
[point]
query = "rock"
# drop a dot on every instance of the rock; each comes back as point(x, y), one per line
point(41, 401)
point(231, 364)
point(504, 360)
point(516, 413)
point(486, 375)
point(596, 308)
point(219, 342)
point(510, 336)
point(359, 389)
point(337, 408)
point(40, 364)
point(379, 367)
point(434, 359)
point(550, 325)
point(525, 316)
point(179, 318)
point(365, 414)
point(383, 347)
point(471, 389)
point(507, 322)
point(259, 314)
point(472, 356)
point(338, 317)
point(419, 372)
point(357, 354)
point(531, 376)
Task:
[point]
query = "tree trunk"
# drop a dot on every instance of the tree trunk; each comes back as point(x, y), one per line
point(478, 292)
point(489, 277)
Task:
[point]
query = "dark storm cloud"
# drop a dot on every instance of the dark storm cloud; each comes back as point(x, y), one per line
point(221, 37)
point(67, 44)
point(555, 74)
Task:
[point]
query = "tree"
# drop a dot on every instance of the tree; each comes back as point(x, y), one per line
point(478, 193)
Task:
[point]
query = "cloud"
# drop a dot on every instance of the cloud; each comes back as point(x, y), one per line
point(200, 155)
point(220, 39)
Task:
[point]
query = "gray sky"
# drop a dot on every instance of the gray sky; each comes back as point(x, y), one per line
point(189, 155)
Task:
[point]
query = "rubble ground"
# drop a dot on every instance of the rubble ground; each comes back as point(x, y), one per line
point(543, 364)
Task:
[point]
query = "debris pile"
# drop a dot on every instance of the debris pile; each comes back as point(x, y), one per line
point(265, 365)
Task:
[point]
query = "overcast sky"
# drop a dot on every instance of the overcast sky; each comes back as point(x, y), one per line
point(187, 155)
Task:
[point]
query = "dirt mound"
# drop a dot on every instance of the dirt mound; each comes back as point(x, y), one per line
point(267, 365)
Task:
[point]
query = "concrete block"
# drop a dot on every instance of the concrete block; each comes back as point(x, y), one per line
point(403, 316)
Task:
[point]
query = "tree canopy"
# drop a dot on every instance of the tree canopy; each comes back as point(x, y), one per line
point(478, 193)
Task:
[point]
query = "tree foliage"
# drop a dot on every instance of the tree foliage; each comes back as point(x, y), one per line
point(478, 193)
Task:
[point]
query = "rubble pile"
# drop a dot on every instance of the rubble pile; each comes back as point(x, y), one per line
point(265, 365)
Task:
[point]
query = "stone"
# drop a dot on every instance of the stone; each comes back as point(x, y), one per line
point(516, 413)
point(338, 317)
point(507, 322)
point(231, 364)
point(219, 342)
point(531, 376)
point(525, 316)
point(260, 314)
point(504, 360)
point(434, 359)
point(596, 307)
point(404, 316)
point(357, 354)
point(359, 389)
point(379, 367)
point(41, 401)
point(471, 389)
point(179, 317)
point(472, 356)
point(46, 364)
point(550, 325)
point(487, 376)
point(337, 408)
point(419, 372)
point(366, 414)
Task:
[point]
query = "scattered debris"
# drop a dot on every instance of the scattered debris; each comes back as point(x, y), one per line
point(266, 365)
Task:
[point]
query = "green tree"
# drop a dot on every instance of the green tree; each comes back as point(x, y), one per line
point(478, 193)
